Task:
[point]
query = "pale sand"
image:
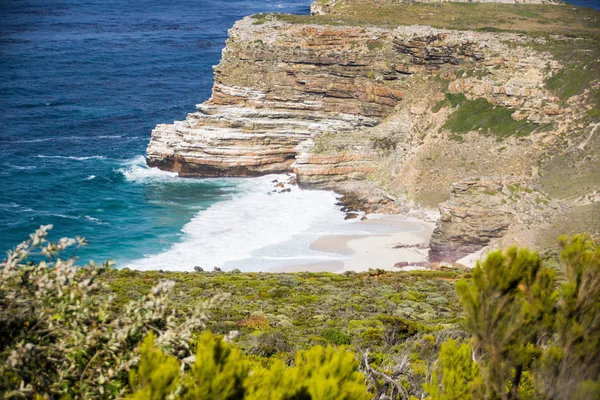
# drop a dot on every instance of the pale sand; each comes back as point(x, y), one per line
point(376, 250)
point(337, 244)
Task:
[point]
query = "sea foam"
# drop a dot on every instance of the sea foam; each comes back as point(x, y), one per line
point(251, 230)
point(136, 170)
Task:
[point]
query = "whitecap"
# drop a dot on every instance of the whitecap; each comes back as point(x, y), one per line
point(96, 220)
point(136, 170)
point(34, 140)
point(9, 205)
point(109, 137)
point(89, 178)
point(20, 167)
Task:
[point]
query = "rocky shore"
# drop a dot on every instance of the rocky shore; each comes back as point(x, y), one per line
point(371, 112)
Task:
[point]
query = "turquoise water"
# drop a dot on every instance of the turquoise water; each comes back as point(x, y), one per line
point(82, 84)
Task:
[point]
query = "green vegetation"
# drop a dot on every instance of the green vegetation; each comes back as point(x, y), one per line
point(455, 376)
point(79, 331)
point(480, 115)
point(451, 99)
point(221, 371)
point(528, 330)
point(533, 335)
point(509, 306)
point(579, 55)
point(529, 18)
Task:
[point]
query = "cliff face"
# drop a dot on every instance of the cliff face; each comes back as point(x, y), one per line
point(386, 113)
point(278, 86)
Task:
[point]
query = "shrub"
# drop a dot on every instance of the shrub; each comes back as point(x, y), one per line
point(532, 337)
point(456, 376)
point(221, 371)
point(336, 337)
point(58, 333)
point(508, 306)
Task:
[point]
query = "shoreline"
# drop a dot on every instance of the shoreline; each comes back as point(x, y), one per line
point(393, 239)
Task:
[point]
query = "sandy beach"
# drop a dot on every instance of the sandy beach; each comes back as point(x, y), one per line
point(387, 241)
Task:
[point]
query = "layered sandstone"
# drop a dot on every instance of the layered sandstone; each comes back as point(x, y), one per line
point(482, 210)
point(363, 109)
point(279, 87)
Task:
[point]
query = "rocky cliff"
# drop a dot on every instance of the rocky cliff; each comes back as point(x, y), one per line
point(400, 113)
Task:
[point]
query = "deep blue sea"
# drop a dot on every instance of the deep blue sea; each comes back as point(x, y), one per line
point(82, 84)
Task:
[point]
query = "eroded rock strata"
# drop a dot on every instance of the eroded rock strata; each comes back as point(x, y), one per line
point(366, 110)
point(279, 86)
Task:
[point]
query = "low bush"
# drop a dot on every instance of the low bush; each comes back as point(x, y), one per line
point(221, 371)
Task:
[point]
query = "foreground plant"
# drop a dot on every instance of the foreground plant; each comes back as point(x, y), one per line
point(58, 333)
point(222, 371)
point(531, 337)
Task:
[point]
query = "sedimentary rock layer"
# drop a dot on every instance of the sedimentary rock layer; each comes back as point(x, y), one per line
point(472, 217)
point(274, 90)
point(280, 85)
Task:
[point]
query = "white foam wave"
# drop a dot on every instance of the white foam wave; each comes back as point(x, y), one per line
point(73, 157)
point(9, 205)
point(239, 228)
point(34, 140)
point(136, 170)
point(89, 178)
point(20, 167)
point(96, 220)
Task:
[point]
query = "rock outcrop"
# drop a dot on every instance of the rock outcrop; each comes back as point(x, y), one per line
point(277, 86)
point(482, 210)
point(280, 86)
point(471, 218)
point(364, 110)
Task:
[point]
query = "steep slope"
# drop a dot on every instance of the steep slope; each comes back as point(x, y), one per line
point(397, 114)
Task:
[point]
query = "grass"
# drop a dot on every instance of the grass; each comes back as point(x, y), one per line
point(451, 99)
point(480, 115)
point(580, 57)
point(462, 16)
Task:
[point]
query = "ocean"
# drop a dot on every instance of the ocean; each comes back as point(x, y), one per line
point(82, 84)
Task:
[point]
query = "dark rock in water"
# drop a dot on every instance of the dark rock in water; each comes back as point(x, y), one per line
point(280, 185)
point(364, 218)
point(198, 269)
point(401, 264)
point(351, 216)
point(274, 181)
point(292, 181)
point(286, 190)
